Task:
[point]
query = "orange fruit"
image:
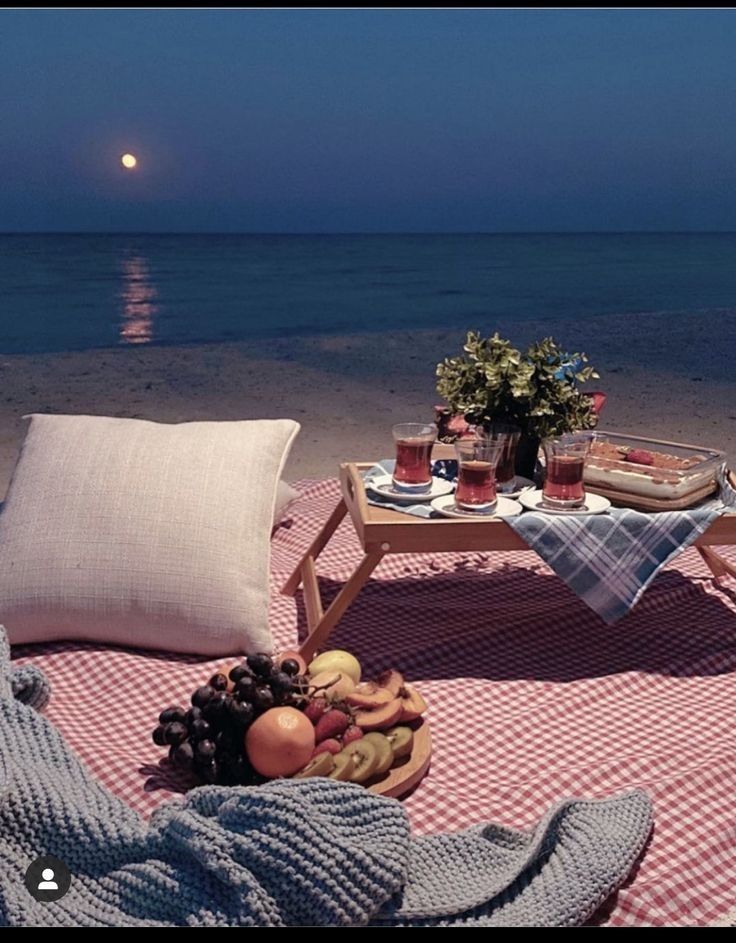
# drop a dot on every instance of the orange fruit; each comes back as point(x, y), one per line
point(280, 742)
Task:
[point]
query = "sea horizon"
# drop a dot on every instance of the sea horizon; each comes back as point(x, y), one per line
point(368, 232)
point(93, 290)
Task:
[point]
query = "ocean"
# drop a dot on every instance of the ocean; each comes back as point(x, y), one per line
point(86, 291)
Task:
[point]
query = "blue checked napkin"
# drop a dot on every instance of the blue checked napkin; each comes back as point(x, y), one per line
point(386, 467)
point(608, 560)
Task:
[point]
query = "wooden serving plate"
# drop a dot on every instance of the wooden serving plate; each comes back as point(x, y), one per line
point(411, 770)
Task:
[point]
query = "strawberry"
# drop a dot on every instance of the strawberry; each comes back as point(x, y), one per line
point(599, 400)
point(639, 457)
point(352, 733)
point(316, 709)
point(328, 746)
point(331, 724)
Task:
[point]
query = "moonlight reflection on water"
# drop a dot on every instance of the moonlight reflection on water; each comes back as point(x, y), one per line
point(138, 297)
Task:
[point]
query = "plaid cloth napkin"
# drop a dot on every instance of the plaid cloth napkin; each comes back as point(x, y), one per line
point(608, 560)
point(386, 467)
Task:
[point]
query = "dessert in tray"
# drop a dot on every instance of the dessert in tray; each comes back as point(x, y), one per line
point(650, 472)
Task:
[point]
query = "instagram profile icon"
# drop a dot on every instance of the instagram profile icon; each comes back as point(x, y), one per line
point(47, 879)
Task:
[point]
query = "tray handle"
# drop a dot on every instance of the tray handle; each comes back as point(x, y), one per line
point(353, 488)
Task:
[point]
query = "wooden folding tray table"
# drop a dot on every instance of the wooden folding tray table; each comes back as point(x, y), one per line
point(382, 531)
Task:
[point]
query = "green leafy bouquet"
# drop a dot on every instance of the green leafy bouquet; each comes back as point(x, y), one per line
point(536, 390)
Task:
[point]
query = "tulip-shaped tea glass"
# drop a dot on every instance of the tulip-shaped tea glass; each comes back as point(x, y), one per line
point(565, 463)
point(477, 460)
point(508, 435)
point(413, 469)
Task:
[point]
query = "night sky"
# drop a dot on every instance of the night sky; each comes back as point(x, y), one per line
point(365, 121)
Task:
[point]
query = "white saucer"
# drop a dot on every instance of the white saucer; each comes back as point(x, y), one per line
point(383, 485)
point(505, 507)
point(521, 484)
point(594, 504)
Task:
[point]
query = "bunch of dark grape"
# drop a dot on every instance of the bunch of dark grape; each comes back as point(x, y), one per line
point(207, 739)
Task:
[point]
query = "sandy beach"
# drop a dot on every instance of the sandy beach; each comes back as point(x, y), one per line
point(666, 378)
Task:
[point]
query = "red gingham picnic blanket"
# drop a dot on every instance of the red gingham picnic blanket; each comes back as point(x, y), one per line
point(531, 697)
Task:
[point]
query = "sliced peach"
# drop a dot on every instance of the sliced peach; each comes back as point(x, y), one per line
point(332, 685)
point(384, 716)
point(413, 704)
point(392, 680)
point(369, 699)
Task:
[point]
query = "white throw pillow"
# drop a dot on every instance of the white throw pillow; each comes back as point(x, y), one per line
point(142, 533)
point(285, 496)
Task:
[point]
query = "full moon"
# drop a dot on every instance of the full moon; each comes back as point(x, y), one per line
point(128, 161)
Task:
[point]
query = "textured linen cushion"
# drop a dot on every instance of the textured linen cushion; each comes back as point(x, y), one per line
point(141, 533)
point(285, 497)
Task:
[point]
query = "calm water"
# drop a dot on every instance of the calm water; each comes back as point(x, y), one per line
point(75, 292)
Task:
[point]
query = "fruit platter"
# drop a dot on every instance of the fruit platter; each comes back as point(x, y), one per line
point(269, 717)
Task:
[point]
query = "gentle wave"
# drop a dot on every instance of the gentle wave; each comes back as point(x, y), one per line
point(72, 292)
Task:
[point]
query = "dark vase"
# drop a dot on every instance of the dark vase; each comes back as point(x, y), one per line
point(526, 455)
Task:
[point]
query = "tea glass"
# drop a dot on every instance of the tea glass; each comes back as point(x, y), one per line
point(477, 460)
point(565, 465)
point(413, 469)
point(508, 435)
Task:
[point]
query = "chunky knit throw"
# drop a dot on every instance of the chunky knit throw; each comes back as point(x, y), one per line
point(291, 853)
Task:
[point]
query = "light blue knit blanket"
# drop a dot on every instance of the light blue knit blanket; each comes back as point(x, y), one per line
point(309, 853)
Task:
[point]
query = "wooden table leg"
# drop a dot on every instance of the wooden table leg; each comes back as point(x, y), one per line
point(316, 547)
point(320, 632)
point(715, 562)
point(312, 596)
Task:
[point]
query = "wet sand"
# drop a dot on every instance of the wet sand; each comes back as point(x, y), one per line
point(668, 378)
